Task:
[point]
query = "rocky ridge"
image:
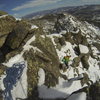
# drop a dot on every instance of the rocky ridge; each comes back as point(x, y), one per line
point(42, 43)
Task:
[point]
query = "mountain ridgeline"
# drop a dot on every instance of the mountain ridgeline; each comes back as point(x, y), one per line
point(31, 53)
point(89, 13)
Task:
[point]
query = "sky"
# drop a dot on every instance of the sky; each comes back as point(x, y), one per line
point(19, 8)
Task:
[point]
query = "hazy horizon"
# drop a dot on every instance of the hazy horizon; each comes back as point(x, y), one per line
point(20, 8)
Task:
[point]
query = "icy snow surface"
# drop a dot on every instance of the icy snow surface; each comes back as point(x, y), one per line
point(34, 27)
point(27, 46)
point(18, 87)
point(20, 90)
point(61, 90)
point(41, 74)
point(83, 49)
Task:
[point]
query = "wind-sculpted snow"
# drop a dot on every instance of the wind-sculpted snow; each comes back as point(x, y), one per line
point(13, 76)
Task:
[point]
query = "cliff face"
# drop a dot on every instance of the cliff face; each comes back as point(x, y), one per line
point(32, 53)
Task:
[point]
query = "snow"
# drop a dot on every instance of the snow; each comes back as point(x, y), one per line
point(3, 16)
point(61, 90)
point(52, 37)
point(20, 90)
point(94, 70)
point(77, 31)
point(78, 96)
point(95, 51)
point(63, 32)
point(1, 82)
point(64, 88)
point(41, 74)
point(48, 26)
point(27, 46)
point(93, 28)
point(34, 27)
point(73, 22)
point(67, 49)
point(83, 49)
point(14, 59)
point(18, 19)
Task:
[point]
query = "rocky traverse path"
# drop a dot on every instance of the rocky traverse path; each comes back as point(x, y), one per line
point(31, 53)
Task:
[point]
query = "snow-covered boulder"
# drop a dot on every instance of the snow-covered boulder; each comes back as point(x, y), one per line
point(83, 49)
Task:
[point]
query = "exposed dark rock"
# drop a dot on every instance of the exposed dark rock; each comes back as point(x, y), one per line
point(18, 34)
point(6, 26)
point(80, 39)
point(85, 79)
point(68, 37)
point(1, 96)
point(94, 92)
point(2, 69)
point(62, 41)
point(46, 59)
point(76, 62)
point(84, 60)
point(12, 54)
point(3, 39)
point(97, 45)
point(77, 51)
point(2, 57)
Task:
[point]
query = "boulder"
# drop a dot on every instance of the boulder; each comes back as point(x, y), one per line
point(68, 37)
point(1, 96)
point(58, 45)
point(1, 57)
point(2, 69)
point(62, 41)
point(85, 79)
point(84, 60)
point(6, 26)
point(3, 39)
point(94, 92)
point(83, 49)
point(76, 62)
point(18, 34)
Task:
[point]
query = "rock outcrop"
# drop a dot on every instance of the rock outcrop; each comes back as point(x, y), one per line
point(7, 23)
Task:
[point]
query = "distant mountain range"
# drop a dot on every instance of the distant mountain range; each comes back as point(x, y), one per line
point(90, 13)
